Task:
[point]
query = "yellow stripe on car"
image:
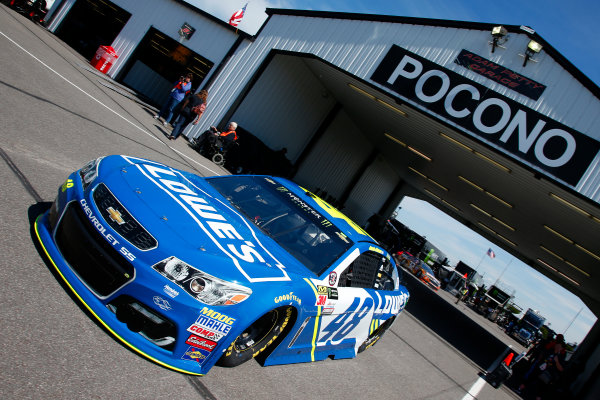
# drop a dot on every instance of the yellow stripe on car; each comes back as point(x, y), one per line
point(316, 330)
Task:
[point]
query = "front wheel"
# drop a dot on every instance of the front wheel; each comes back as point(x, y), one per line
point(257, 337)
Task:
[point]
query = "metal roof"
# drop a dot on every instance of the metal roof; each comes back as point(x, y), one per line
point(483, 26)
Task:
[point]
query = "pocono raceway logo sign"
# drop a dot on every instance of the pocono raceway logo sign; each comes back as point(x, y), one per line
point(528, 135)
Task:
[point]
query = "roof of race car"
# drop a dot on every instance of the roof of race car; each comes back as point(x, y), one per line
point(346, 225)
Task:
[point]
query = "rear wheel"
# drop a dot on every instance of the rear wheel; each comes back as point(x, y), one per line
point(376, 335)
point(257, 337)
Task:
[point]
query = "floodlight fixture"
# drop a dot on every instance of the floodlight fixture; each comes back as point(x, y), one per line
point(532, 49)
point(498, 36)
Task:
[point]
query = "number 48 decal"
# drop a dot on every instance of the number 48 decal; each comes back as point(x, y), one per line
point(344, 323)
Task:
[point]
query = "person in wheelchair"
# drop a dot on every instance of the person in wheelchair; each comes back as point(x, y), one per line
point(214, 144)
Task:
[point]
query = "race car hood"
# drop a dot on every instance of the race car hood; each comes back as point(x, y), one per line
point(183, 212)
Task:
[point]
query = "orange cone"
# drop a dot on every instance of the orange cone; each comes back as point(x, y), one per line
point(508, 359)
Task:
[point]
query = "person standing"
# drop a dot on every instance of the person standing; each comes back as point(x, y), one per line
point(192, 109)
point(181, 88)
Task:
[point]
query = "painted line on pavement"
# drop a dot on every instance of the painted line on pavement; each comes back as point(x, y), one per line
point(104, 105)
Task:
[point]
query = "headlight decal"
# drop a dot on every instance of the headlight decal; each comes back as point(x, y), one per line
point(89, 172)
point(200, 285)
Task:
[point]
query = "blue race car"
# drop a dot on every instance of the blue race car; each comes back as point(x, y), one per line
point(191, 271)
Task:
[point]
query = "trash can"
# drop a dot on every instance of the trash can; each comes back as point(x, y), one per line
point(104, 58)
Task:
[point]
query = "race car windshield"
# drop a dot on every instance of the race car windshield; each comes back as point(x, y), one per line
point(281, 214)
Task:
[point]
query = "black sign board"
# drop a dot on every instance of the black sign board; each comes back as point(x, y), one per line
point(500, 74)
point(528, 135)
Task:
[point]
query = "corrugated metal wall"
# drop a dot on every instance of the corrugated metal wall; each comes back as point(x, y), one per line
point(290, 103)
point(210, 40)
point(371, 191)
point(359, 46)
point(336, 158)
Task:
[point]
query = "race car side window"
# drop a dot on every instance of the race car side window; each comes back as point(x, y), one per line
point(370, 271)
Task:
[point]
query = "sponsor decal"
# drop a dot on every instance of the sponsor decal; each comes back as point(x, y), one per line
point(217, 316)
point(332, 278)
point(170, 291)
point(562, 152)
point(390, 304)
point(321, 300)
point(115, 215)
point(376, 249)
point(201, 343)
point(103, 231)
point(211, 324)
point(204, 332)
point(213, 321)
point(331, 293)
point(195, 354)
point(288, 297)
point(328, 310)
point(162, 303)
point(221, 232)
point(500, 74)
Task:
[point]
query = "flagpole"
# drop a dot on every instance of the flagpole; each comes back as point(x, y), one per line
point(505, 268)
point(480, 261)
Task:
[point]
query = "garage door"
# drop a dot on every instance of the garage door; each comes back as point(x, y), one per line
point(91, 24)
point(158, 62)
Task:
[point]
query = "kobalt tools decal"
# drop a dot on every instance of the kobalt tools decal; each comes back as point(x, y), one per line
point(526, 134)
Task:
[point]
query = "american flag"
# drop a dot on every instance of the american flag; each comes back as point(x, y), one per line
point(491, 253)
point(237, 16)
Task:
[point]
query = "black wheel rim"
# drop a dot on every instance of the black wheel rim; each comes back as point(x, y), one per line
point(257, 331)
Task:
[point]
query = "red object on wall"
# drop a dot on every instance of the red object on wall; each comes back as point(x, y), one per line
point(104, 58)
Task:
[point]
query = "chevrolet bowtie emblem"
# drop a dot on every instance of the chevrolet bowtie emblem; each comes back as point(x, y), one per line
point(115, 216)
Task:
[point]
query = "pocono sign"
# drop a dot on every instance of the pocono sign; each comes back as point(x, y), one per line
point(528, 135)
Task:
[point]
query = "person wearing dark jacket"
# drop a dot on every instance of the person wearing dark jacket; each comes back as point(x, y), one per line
point(190, 111)
point(181, 88)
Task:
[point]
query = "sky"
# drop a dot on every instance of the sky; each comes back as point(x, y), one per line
point(571, 30)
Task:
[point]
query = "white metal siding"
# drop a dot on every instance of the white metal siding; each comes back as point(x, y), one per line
point(290, 103)
point(371, 191)
point(336, 158)
point(358, 47)
point(210, 40)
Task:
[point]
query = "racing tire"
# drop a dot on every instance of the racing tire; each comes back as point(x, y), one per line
point(257, 337)
point(376, 335)
point(218, 159)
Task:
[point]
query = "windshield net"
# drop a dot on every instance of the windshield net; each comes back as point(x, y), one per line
point(302, 231)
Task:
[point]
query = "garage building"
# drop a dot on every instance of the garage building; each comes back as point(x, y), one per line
point(489, 123)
